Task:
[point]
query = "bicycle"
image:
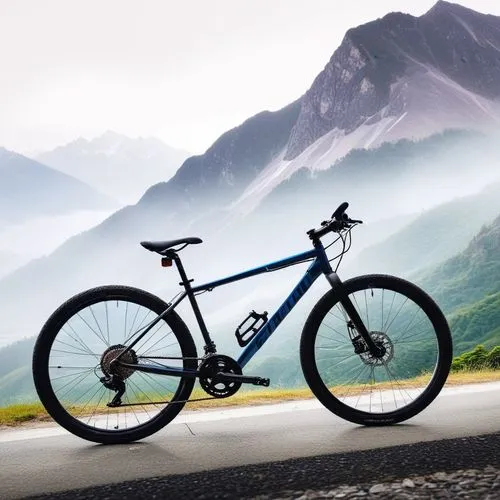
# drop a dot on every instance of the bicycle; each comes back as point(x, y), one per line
point(112, 350)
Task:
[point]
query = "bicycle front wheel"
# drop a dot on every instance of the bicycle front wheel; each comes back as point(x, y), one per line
point(74, 352)
point(364, 389)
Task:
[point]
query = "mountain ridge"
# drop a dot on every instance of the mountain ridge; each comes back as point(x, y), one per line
point(247, 146)
point(120, 166)
point(29, 188)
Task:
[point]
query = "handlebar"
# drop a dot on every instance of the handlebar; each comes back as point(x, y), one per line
point(339, 221)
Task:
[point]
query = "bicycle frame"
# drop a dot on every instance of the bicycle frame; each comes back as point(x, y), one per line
point(320, 265)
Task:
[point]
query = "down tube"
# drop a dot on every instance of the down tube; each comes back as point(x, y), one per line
point(298, 292)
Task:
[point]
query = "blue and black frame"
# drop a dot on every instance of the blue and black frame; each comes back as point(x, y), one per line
point(319, 265)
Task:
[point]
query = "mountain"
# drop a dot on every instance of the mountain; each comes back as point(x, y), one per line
point(396, 77)
point(432, 237)
point(29, 189)
point(227, 167)
point(117, 165)
point(8, 262)
point(402, 70)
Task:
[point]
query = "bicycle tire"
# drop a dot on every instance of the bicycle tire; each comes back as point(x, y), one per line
point(310, 352)
point(59, 323)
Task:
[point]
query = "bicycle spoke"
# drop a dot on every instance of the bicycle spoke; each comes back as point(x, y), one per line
point(389, 313)
point(96, 406)
point(78, 340)
point(91, 329)
point(98, 326)
point(72, 374)
point(340, 342)
point(156, 381)
point(146, 339)
point(397, 314)
point(78, 351)
point(335, 316)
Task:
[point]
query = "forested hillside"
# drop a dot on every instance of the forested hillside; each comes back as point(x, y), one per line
point(471, 275)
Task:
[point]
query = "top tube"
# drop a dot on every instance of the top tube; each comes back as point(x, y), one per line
point(317, 252)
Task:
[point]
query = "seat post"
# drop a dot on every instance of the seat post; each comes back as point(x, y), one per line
point(186, 283)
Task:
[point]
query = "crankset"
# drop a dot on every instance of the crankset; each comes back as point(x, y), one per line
point(221, 376)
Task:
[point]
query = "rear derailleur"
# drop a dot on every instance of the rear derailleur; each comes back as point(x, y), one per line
point(114, 383)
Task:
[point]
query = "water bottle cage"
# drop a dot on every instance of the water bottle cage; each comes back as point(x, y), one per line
point(246, 332)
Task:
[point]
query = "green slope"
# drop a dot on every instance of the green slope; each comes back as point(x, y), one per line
point(467, 288)
point(469, 276)
point(436, 235)
point(475, 324)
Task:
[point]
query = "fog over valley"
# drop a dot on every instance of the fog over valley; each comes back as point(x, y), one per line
point(403, 123)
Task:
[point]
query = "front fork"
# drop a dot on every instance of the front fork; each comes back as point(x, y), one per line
point(355, 319)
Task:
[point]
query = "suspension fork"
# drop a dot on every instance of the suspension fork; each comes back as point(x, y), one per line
point(351, 311)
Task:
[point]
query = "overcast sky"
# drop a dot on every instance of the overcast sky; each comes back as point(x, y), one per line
point(185, 71)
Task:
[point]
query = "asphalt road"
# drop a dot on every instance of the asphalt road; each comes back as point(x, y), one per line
point(45, 460)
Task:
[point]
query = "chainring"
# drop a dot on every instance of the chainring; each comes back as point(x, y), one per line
point(123, 372)
point(209, 368)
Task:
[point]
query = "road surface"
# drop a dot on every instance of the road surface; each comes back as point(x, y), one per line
point(48, 459)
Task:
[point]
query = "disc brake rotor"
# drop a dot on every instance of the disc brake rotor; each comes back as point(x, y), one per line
point(383, 341)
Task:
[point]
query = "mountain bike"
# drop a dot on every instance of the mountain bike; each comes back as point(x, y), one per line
point(115, 364)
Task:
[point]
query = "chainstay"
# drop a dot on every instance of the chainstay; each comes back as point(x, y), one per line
point(166, 402)
point(163, 402)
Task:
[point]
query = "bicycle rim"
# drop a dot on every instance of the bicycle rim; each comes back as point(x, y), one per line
point(402, 320)
point(89, 337)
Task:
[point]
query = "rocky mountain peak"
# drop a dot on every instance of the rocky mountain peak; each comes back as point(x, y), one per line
point(357, 85)
point(443, 7)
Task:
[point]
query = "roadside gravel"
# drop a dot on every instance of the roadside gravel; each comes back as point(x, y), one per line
point(467, 484)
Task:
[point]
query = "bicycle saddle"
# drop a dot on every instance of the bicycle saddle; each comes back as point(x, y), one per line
point(162, 246)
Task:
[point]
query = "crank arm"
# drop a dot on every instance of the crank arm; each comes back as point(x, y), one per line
point(242, 379)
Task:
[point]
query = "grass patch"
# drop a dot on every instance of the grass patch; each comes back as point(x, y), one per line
point(19, 414)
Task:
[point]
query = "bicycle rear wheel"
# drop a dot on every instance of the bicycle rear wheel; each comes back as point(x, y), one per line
point(74, 351)
point(364, 389)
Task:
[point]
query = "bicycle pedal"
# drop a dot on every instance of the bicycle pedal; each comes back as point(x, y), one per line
point(263, 381)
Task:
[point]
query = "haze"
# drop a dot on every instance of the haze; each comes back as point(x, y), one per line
point(182, 71)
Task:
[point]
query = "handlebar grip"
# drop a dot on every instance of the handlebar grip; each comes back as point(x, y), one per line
point(340, 210)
